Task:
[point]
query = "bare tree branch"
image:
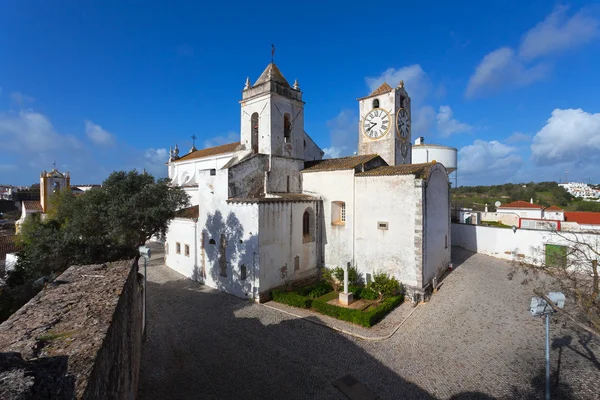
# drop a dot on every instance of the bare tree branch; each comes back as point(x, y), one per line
point(568, 315)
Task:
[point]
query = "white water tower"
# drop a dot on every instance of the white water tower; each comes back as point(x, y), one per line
point(423, 153)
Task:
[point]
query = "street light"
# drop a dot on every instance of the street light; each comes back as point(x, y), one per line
point(540, 307)
point(145, 253)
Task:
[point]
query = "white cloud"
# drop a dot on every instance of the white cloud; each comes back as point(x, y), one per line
point(230, 137)
point(98, 135)
point(154, 161)
point(415, 80)
point(21, 99)
point(28, 132)
point(501, 69)
point(343, 134)
point(506, 68)
point(484, 162)
point(558, 32)
point(447, 125)
point(518, 137)
point(7, 167)
point(569, 136)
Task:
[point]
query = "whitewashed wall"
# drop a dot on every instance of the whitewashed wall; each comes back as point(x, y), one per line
point(390, 199)
point(333, 186)
point(281, 241)
point(184, 173)
point(506, 218)
point(523, 244)
point(183, 231)
point(437, 225)
point(522, 212)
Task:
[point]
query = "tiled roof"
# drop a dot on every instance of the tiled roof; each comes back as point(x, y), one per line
point(336, 164)
point(211, 151)
point(8, 244)
point(188, 213)
point(280, 197)
point(554, 208)
point(583, 217)
point(271, 73)
point(521, 204)
point(31, 205)
point(384, 88)
point(420, 171)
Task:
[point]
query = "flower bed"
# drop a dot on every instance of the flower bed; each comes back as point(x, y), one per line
point(320, 304)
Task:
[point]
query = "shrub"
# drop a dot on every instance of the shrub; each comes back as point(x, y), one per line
point(369, 294)
point(384, 286)
point(291, 299)
point(317, 290)
point(328, 276)
point(364, 318)
point(355, 278)
point(356, 291)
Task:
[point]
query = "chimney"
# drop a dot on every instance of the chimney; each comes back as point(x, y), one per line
point(531, 201)
point(420, 140)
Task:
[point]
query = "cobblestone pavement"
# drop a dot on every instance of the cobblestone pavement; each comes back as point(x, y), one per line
point(473, 340)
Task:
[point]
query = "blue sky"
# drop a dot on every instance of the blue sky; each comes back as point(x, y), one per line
point(99, 86)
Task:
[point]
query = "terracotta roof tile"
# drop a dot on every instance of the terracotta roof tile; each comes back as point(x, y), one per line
point(583, 217)
point(521, 204)
point(336, 164)
point(420, 171)
point(32, 205)
point(8, 244)
point(554, 208)
point(384, 88)
point(188, 213)
point(211, 151)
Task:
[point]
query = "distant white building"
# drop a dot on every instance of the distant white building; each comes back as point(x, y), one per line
point(578, 189)
point(267, 210)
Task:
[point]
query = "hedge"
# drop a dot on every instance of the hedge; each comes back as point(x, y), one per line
point(316, 290)
point(364, 318)
point(291, 299)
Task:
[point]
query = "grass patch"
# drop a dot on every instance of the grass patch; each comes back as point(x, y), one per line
point(291, 299)
point(328, 297)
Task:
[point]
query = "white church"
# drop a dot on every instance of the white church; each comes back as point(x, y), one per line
point(269, 210)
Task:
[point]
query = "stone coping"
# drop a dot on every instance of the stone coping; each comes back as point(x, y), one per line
point(383, 330)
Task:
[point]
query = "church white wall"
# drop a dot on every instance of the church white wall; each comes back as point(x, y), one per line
point(392, 200)
point(281, 243)
point(281, 169)
point(437, 225)
point(239, 225)
point(334, 186)
point(184, 232)
point(186, 172)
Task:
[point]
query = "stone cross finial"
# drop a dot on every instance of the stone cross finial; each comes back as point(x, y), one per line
point(247, 85)
point(296, 85)
point(401, 85)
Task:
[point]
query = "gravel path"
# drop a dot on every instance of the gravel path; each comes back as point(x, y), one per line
point(473, 340)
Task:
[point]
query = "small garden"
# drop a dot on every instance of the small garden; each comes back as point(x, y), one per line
point(371, 301)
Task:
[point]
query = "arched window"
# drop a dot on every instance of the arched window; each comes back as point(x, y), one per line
point(308, 225)
point(338, 213)
point(376, 103)
point(254, 127)
point(287, 128)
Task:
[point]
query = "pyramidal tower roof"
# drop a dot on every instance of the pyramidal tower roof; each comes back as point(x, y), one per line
point(271, 73)
point(384, 88)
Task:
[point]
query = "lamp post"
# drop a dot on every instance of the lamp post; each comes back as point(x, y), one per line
point(540, 307)
point(145, 253)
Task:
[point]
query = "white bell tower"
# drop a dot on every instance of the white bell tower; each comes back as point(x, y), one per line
point(272, 116)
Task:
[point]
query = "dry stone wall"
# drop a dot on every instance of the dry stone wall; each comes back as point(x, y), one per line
point(80, 337)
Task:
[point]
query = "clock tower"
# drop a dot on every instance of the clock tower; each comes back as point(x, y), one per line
point(384, 126)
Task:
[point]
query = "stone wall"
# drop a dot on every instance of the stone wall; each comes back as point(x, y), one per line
point(80, 337)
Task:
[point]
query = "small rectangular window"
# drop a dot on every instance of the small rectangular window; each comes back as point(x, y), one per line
point(382, 225)
point(243, 272)
point(296, 263)
point(213, 171)
point(178, 248)
point(187, 250)
point(167, 248)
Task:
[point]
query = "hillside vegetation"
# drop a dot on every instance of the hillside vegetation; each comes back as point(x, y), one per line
point(543, 193)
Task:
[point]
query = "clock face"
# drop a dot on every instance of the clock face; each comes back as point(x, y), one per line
point(403, 123)
point(376, 124)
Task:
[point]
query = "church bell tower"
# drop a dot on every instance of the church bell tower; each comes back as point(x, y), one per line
point(272, 120)
point(385, 122)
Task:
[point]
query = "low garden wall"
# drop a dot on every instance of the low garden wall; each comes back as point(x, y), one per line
point(80, 337)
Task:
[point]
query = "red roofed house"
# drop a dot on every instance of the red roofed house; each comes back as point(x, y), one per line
point(586, 221)
point(523, 209)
